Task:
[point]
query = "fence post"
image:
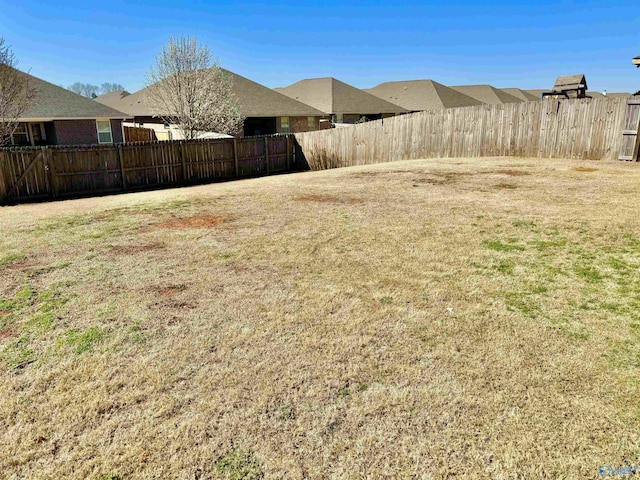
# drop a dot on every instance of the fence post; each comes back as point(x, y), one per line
point(3, 186)
point(183, 160)
point(235, 156)
point(266, 154)
point(123, 171)
point(288, 152)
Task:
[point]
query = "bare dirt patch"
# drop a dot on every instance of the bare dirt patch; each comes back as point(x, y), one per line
point(513, 173)
point(584, 169)
point(437, 178)
point(328, 199)
point(171, 290)
point(198, 221)
point(8, 331)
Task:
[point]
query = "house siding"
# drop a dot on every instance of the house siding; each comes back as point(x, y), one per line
point(76, 132)
point(299, 124)
point(83, 132)
point(116, 131)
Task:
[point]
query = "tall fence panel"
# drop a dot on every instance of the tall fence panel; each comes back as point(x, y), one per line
point(581, 129)
point(51, 172)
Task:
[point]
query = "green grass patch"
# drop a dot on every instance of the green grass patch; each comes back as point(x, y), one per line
point(522, 302)
point(506, 267)
point(18, 353)
point(239, 465)
point(83, 341)
point(502, 247)
point(588, 273)
point(21, 300)
point(544, 245)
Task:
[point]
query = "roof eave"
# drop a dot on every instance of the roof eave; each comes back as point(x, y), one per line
point(52, 119)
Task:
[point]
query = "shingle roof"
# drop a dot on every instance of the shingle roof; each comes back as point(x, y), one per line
point(332, 96)
point(53, 102)
point(254, 100)
point(570, 82)
point(537, 92)
point(487, 94)
point(420, 95)
point(521, 94)
point(617, 94)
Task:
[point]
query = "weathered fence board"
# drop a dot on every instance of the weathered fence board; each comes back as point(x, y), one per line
point(50, 172)
point(581, 129)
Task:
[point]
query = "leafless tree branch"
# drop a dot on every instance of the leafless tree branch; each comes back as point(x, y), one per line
point(16, 93)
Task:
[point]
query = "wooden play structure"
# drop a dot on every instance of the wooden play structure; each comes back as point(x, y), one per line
point(569, 86)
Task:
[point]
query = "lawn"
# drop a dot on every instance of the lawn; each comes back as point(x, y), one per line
point(467, 318)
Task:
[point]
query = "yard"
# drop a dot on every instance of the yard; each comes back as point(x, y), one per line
point(468, 318)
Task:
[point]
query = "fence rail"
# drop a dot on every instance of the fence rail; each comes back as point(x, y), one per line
point(582, 129)
point(61, 171)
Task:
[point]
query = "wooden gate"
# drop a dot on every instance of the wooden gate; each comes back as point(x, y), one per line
point(24, 173)
point(631, 131)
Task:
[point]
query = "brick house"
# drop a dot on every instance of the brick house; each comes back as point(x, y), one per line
point(343, 102)
point(265, 110)
point(61, 117)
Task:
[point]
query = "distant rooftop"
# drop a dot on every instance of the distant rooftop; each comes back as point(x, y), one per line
point(487, 94)
point(521, 94)
point(254, 100)
point(421, 95)
point(332, 96)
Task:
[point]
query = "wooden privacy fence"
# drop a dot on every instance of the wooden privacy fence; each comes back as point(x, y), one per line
point(139, 134)
point(581, 128)
point(53, 172)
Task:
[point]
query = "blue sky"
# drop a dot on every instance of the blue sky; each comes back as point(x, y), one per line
point(507, 44)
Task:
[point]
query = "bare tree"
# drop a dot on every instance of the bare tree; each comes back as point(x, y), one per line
point(110, 87)
point(16, 93)
point(84, 89)
point(188, 88)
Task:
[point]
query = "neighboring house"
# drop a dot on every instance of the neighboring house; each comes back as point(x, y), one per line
point(522, 94)
point(487, 94)
point(421, 95)
point(61, 117)
point(265, 111)
point(345, 104)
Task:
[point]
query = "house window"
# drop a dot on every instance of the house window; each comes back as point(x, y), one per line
point(104, 131)
point(284, 124)
point(311, 123)
point(37, 133)
point(20, 135)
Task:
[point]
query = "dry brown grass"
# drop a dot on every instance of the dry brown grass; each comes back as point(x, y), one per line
point(327, 199)
point(445, 324)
